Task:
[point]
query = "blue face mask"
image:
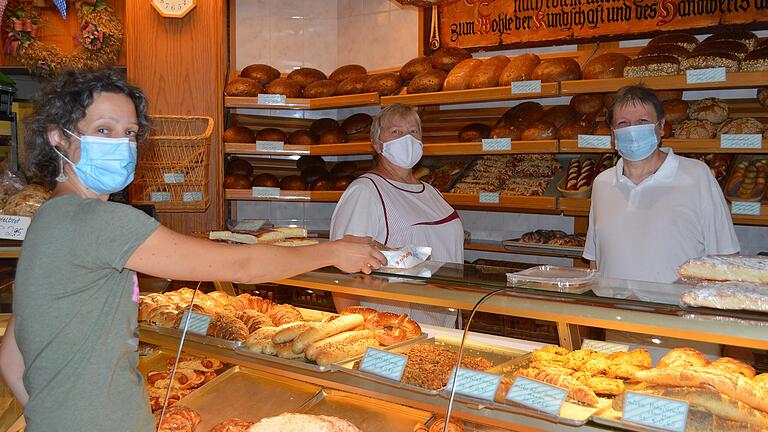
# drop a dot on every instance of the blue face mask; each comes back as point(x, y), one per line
point(106, 165)
point(637, 142)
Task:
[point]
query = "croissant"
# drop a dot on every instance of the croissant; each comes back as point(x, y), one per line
point(254, 320)
point(284, 314)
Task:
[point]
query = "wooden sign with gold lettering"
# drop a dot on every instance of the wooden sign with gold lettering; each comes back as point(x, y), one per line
point(492, 23)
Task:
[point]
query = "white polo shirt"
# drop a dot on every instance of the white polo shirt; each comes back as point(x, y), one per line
point(644, 232)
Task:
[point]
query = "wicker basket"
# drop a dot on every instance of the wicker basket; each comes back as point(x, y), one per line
point(172, 171)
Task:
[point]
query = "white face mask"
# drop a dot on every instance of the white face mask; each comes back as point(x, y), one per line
point(404, 152)
point(637, 142)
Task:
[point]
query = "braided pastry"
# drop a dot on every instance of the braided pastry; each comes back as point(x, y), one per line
point(254, 320)
point(284, 314)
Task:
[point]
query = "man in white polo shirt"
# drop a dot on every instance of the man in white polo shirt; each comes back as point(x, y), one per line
point(655, 209)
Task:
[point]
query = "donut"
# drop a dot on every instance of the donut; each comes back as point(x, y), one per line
point(389, 328)
point(359, 310)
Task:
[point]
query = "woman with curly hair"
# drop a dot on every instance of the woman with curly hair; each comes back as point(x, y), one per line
point(70, 351)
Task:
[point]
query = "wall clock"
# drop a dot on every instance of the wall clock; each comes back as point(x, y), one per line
point(174, 8)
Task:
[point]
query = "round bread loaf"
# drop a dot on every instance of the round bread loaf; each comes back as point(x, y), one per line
point(520, 68)
point(560, 114)
point(683, 358)
point(307, 161)
point(744, 36)
point(667, 131)
point(732, 365)
point(674, 50)
point(306, 76)
point(284, 86)
point(460, 76)
point(744, 125)
point(261, 73)
point(243, 87)
point(717, 46)
point(762, 97)
point(602, 129)
point(756, 61)
point(474, 132)
point(342, 183)
point(675, 111)
point(310, 174)
point(322, 88)
point(659, 65)
point(352, 85)
point(685, 40)
point(347, 71)
point(713, 110)
point(239, 134)
point(323, 124)
point(587, 104)
point(357, 123)
point(711, 60)
point(384, 84)
point(665, 95)
point(293, 182)
point(608, 65)
point(333, 136)
point(540, 130)
point(487, 75)
point(523, 114)
point(237, 181)
point(695, 129)
point(271, 134)
point(574, 128)
point(608, 99)
point(239, 166)
point(414, 67)
point(301, 137)
point(324, 183)
point(344, 168)
point(427, 82)
point(506, 130)
point(265, 180)
point(557, 69)
point(447, 57)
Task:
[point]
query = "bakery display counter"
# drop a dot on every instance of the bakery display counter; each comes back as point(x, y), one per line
point(714, 145)
point(303, 103)
point(674, 82)
point(518, 90)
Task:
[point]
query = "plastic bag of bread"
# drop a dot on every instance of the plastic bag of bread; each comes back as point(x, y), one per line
point(10, 183)
point(728, 295)
point(26, 201)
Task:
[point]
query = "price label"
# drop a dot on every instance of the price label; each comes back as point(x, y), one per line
point(595, 141)
point(522, 87)
point(269, 146)
point(384, 364)
point(605, 347)
point(497, 144)
point(14, 227)
point(271, 99)
point(265, 192)
point(537, 395)
point(661, 413)
point(173, 178)
point(751, 208)
point(192, 196)
point(198, 323)
point(741, 141)
point(475, 384)
point(699, 76)
point(160, 196)
point(489, 197)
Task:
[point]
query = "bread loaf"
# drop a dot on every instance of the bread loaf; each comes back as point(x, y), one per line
point(487, 75)
point(725, 268)
point(523, 114)
point(352, 85)
point(743, 36)
point(337, 353)
point(733, 365)
point(505, 130)
point(560, 114)
point(293, 182)
point(308, 161)
point(682, 358)
point(540, 130)
point(324, 183)
point(325, 330)
point(301, 137)
point(306, 76)
point(347, 71)
point(414, 67)
point(384, 84)
point(711, 109)
point(520, 68)
point(225, 326)
point(756, 61)
point(608, 65)
point(695, 129)
point(574, 128)
point(447, 57)
point(333, 136)
point(744, 125)
point(271, 134)
point(321, 88)
point(344, 168)
point(474, 132)
point(261, 73)
point(323, 124)
point(266, 180)
point(239, 134)
point(460, 76)
point(587, 104)
point(357, 123)
point(284, 86)
point(232, 425)
point(239, 166)
point(733, 47)
point(342, 183)
point(685, 40)
point(288, 333)
point(665, 95)
point(557, 69)
point(675, 111)
point(243, 87)
point(313, 173)
point(427, 82)
point(762, 97)
point(711, 60)
point(676, 51)
point(659, 65)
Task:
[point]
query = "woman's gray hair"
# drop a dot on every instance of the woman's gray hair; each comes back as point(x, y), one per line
point(393, 111)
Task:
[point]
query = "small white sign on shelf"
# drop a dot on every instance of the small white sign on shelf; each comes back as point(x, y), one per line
point(198, 323)
point(475, 384)
point(741, 141)
point(497, 144)
point(537, 395)
point(489, 197)
point(700, 76)
point(271, 99)
point(594, 141)
point(658, 412)
point(265, 192)
point(269, 146)
point(160, 196)
point(383, 363)
point(523, 87)
point(750, 208)
point(173, 178)
point(605, 347)
point(14, 227)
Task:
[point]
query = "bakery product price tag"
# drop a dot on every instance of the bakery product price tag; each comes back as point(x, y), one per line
point(271, 99)
point(192, 196)
point(522, 87)
point(497, 144)
point(173, 178)
point(384, 364)
point(537, 395)
point(160, 196)
point(605, 347)
point(198, 323)
point(751, 208)
point(14, 227)
point(265, 192)
point(269, 146)
point(657, 412)
point(489, 197)
point(475, 384)
point(594, 141)
point(699, 76)
point(741, 141)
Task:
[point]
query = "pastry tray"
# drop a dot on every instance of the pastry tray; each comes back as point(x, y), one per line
point(515, 245)
point(247, 394)
point(221, 343)
point(731, 187)
point(499, 356)
point(554, 278)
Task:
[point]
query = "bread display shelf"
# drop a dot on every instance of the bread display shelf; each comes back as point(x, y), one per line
point(476, 148)
point(676, 82)
point(471, 95)
point(305, 104)
point(353, 148)
point(316, 196)
point(509, 202)
point(678, 145)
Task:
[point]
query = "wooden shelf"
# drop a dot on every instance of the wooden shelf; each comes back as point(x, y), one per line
point(543, 203)
point(305, 104)
point(676, 82)
point(353, 148)
point(467, 96)
point(572, 146)
point(761, 219)
point(476, 148)
point(286, 196)
point(678, 145)
point(575, 206)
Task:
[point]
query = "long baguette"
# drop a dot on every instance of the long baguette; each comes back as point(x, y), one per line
point(285, 351)
point(290, 332)
point(338, 353)
point(326, 330)
point(257, 339)
point(343, 338)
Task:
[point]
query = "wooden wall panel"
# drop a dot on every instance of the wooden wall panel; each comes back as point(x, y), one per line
point(181, 65)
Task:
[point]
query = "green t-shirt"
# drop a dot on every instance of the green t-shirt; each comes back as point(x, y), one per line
point(75, 307)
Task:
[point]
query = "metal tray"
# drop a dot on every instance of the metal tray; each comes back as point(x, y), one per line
point(249, 395)
point(207, 340)
point(366, 413)
point(518, 246)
